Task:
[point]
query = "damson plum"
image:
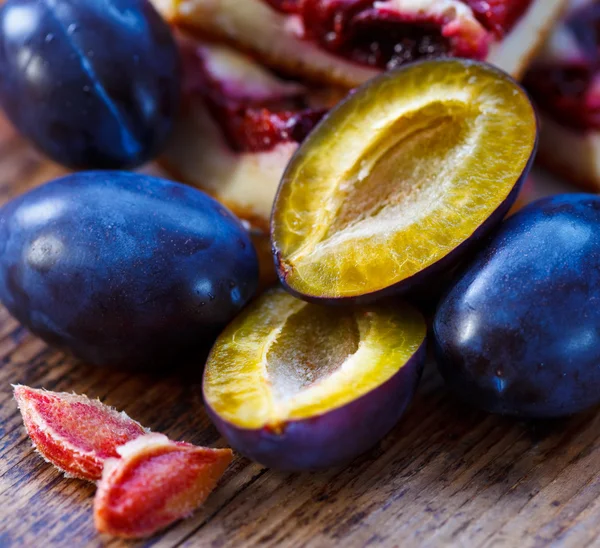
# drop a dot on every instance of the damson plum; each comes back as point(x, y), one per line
point(123, 269)
point(519, 332)
point(300, 386)
point(400, 179)
point(95, 84)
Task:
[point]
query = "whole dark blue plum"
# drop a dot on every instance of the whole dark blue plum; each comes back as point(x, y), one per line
point(519, 332)
point(123, 269)
point(95, 84)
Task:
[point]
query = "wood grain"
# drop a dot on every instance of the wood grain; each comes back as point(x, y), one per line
point(447, 475)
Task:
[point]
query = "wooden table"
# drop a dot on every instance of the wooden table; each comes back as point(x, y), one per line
point(446, 475)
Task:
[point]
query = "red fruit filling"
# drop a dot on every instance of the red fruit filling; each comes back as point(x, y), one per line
point(286, 6)
point(379, 34)
point(250, 124)
point(256, 128)
point(356, 30)
point(568, 90)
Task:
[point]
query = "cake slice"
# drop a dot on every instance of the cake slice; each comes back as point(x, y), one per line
point(239, 127)
point(346, 42)
point(565, 83)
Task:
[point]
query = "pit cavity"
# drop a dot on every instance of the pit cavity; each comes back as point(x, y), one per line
point(403, 174)
point(312, 345)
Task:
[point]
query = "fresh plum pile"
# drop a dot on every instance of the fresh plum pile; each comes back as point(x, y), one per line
point(401, 189)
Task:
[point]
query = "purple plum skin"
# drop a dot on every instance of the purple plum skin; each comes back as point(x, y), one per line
point(334, 438)
point(100, 84)
point(519, 331)
point(124, 269)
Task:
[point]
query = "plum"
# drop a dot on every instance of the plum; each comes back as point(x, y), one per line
point(95, 84)
point(519, 331)
point(299, 386)
point(400, 180)
point(123, 269)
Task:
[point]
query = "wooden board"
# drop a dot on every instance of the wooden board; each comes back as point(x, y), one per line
point(446, 475)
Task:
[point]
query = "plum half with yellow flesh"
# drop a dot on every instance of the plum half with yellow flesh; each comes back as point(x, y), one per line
point(400, 180)
point(300, 386)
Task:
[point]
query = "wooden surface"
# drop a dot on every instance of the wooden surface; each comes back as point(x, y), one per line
point(446, 475)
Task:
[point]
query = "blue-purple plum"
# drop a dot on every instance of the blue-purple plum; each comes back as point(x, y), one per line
point(519, 331)
point(94, 84)
point(123, 269)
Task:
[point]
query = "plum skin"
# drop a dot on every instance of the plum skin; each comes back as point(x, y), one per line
point(122, 269)
point(334, 438)
point(101, 85)
point(519, 332)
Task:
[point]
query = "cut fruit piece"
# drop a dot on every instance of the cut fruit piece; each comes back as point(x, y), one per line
point(400, 179)
point(155, 483)
point(350, 42)
point(299, 386)
point(385, 34)
point(255, 109)
point(74, 433)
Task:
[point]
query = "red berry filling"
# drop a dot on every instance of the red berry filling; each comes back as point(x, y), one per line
point(356, 30)
point(255, 129)
point(569, 90)
point(249, 124)
point(375, 33)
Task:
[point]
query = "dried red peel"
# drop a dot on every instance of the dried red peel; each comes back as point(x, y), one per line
point(155, 483)
point(74, 433)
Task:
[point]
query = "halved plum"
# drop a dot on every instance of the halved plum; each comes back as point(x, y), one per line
point(400, 179)
point(299, 386)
